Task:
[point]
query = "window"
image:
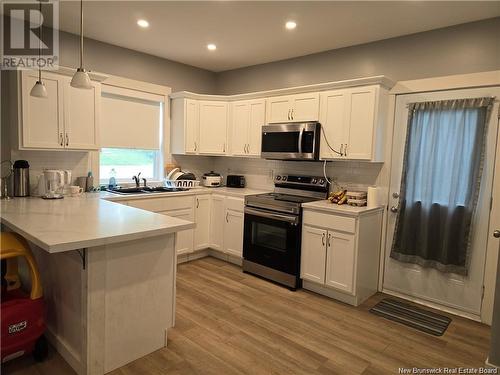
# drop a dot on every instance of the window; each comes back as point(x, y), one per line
point(124, 163)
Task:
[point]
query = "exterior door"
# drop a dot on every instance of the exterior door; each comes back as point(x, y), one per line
point(340, 261)
point(43, 123)
point(313, 255)
point(456, 292)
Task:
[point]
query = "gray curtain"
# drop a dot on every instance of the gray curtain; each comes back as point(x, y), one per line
point(442, 169)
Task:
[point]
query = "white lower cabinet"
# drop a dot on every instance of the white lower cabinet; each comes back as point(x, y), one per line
point(184, 240)
point(233, 233)
point(217, 218)
point(340, 253)
point(202, 220)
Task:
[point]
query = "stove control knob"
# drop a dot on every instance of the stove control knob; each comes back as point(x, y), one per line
point(278, 178)
point(284, 178)
point(322, 181)
point(314, 181)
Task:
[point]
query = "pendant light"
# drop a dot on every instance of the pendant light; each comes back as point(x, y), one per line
point(39, 90)
point(81, 79)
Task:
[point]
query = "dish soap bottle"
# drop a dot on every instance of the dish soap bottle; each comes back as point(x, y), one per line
point(112, 179)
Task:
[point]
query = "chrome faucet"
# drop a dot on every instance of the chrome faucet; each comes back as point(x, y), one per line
point(137, 179)
point(144, 182)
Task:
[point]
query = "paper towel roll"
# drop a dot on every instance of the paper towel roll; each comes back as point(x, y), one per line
point(373, 197)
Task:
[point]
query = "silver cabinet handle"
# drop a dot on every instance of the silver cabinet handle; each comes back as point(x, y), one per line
point(61, 139)
point(224, 147)
point(496, 233)
point(345, 149)
point(341, 149)
point(227, 220)
point(292, 114)
point(328, 244)
point(67, 139)
point(195, 146)
point(197, 203)
point(323, 239)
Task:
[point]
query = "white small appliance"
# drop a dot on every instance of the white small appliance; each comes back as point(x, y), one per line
point(212, 179)
point(55, 180)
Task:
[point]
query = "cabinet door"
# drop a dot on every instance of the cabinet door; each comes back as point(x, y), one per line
point(233, 233)
point(333, 107)
point(305, 107)
point(240, 122)
point(184, 240)
point(257, 119)
point(278, 109)
point(202, 220)
point(81, 117)
point(213, 127)
point(313, 254)
point(340, 261)
point(217, 217)
point(361, 123)
point(191, 123)
point(42, 123)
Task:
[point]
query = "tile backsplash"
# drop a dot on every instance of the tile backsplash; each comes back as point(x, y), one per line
point(259, 173)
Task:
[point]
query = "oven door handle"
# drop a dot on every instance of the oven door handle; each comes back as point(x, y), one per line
point(301, 134)
point(271, 215)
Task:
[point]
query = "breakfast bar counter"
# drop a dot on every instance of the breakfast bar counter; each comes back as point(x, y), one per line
point(108, 276)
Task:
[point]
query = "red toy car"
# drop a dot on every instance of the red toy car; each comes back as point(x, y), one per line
point(22, 314)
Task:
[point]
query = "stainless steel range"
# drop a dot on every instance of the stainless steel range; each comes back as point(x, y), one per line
point(273, 228)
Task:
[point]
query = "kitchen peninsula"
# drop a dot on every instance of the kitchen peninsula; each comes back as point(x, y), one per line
point(108, 274)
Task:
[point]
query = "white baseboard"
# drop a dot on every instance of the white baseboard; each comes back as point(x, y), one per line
point(343, 297)
point(183, 258)
point(491, 365)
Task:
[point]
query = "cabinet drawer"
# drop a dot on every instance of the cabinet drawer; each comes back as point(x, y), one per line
point(235, 204)
point(330, 221)
point(163, 204)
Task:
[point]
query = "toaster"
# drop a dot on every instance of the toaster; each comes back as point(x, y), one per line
point(235, 181)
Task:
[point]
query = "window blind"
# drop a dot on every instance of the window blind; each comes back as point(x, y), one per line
point(130, 122)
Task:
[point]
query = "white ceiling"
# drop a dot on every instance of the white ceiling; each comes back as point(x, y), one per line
point(249, 33)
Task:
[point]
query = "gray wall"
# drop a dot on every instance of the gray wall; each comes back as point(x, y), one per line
point(466, 48)
point(111, 59)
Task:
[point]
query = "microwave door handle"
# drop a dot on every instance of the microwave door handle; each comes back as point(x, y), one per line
point(301, 134)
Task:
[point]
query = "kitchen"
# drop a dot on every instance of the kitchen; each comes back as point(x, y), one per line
point(264, 191)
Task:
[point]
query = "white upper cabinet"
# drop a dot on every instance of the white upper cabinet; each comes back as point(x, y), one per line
point(42, 123)
point(353, 122)
point(247, 118)
point(81, 117)
point(199, 127)
point(293, 108)
point(213, 127)
point(67, 118)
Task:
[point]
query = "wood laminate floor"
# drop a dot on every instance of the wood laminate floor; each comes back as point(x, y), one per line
point(228, 322)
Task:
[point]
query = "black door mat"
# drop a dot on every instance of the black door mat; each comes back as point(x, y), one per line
point(411, 316)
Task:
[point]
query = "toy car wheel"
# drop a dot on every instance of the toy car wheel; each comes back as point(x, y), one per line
point(41, 349)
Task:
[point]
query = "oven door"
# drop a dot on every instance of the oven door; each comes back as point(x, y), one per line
point(291, 141)
point(272, 239)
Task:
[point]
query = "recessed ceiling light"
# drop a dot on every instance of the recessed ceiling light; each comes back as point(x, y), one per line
point(290, 25)
point(143, 23)
point(211, 47)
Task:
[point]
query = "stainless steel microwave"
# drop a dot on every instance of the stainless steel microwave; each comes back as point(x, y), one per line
point(291, 141)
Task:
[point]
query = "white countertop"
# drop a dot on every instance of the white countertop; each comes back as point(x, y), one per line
point(235, 192)
point(86, 221)
point(345, 209)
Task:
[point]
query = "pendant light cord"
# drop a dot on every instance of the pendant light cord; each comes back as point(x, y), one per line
point(81, 34)
point(40, 40)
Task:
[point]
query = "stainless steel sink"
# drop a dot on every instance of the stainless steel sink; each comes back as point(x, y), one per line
point(144, 190)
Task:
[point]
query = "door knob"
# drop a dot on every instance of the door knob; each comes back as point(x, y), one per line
point(394, 209)
point(496, 233)
point(395, 195)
